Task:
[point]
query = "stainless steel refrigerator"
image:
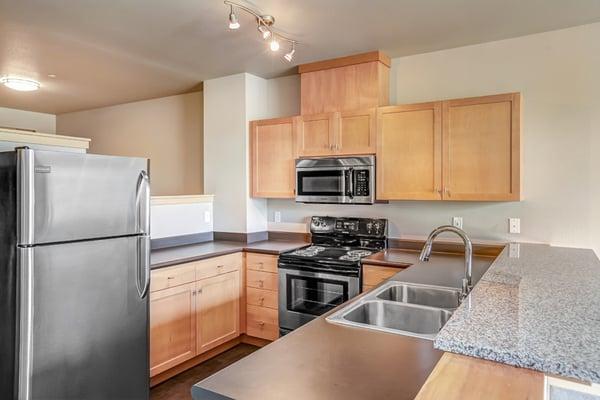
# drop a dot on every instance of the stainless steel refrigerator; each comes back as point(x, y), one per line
point(74, 276)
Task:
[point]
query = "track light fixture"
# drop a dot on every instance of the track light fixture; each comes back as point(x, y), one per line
point(233, 21)
point(289, 56)
point(264, 26)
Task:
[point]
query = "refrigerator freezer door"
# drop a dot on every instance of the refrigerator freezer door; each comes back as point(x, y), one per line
point(85, 332)
point(68, 196)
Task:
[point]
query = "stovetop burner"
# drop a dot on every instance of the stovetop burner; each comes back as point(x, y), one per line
point(310, 251)
point(331, 253)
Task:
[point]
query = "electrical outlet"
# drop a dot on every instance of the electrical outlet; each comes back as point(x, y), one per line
point(207, 216)
point(277, 216)
point(457, 222)
point(514, 225)
point(514, 250)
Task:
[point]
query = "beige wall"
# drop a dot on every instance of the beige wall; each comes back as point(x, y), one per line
point(21, 119)
point(167, 130)
point(557, 74)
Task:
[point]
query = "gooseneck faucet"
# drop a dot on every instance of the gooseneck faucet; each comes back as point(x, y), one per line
point(426, 253)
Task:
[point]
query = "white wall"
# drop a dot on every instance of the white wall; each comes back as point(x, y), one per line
point(39, 122)
point(230, 103)
point(557, 74)
point(180, 219)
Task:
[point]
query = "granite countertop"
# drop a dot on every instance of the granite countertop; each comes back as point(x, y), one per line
point(321, 360)
point(176, 255)
point(536, 307)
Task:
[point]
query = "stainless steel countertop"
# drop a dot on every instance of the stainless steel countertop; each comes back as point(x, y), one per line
point(326, 361)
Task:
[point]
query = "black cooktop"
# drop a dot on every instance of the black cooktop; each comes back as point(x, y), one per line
point(318, 252)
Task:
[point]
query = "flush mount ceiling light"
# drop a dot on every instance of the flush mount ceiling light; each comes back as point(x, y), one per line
point(20, 84)
point(264, 24)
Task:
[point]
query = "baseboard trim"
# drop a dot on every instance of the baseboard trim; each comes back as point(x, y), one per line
point(254, 341)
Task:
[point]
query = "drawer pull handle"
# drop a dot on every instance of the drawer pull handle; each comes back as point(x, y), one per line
point(261, 324)
point(262, 300)
point(261, 283)
point(170, 277)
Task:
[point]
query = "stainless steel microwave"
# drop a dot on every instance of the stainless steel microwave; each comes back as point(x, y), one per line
point(340, 180)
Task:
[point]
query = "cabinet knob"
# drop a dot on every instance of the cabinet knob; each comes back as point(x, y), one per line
point(262, 300)
point(261, 324)
point(170, 277)
point(261, 283)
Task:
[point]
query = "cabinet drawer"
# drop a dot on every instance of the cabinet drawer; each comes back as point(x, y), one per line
point(165, 278)
point(261, 280)
point(262, 298)
point(373, 275)
point(261, 262)
point(262, 322)
point(218, 265)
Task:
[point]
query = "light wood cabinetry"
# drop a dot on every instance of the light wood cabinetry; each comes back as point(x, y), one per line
point(467, 150)
point(172, 327)
point(356, 132)
point(409, 152)
point(262, 319)
point(316, 135)
point(373, 275)
point(482, 148)
point(348, 83)
point(194, 307)
point(218, 310)
point(273, 154)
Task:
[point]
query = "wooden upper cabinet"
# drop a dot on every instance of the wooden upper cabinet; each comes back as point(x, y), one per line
point(172, 327)
point(316, 134)
point(482, 148)
point(218, 310)
point(349, 83)
point(356, 132)
point(273, 154)
point(409, 152)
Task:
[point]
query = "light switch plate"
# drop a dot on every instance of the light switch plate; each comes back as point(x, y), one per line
point(457, 222)
point(514, 225)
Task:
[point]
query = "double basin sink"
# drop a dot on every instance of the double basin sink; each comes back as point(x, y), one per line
point(403, 308)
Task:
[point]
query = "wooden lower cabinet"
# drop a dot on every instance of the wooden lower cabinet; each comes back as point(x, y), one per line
point(217, 310)
point(262, 315)
point(172, 327)
point(262, 322)
point(192, 318)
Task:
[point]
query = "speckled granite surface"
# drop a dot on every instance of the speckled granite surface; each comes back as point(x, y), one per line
point(536, 307)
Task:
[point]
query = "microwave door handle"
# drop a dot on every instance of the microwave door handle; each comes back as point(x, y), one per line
point(350, 182)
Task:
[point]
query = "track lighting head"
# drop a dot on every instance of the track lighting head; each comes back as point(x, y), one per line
point(266, 33)
point(233, 21)
point(289, 56)
point(274, 45)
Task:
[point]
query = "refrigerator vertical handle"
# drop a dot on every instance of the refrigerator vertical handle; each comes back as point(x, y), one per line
point(142, 200)
point(26, 195)
point(143, 266)
point(25, 324)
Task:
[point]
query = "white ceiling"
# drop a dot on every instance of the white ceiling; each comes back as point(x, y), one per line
point(107, 52)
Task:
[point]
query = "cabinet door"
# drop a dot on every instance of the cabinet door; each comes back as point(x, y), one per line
point(482, 148)
point(273, 154)
point(316, 135)
point(172, 327)
point(218, 310)
point(409, 150)
point(356, 132)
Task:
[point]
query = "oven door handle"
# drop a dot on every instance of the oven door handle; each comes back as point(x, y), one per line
point(349, 182)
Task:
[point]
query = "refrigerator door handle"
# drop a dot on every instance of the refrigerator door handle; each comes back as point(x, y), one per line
point(25, 195)
point(143, 266)
point(25, 327)
point(142, 200)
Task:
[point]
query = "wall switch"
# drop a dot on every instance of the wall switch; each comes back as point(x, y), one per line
point(514, 225)
point(457, 222)
point(207, 216)
point(277, 216)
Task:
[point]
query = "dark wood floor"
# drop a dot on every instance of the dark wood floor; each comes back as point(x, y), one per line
point(178, 387)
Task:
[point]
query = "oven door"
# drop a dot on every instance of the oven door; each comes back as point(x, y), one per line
point(323, 185)
point(304, 295)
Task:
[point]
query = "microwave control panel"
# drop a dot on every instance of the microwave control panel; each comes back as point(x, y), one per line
point(361, 183)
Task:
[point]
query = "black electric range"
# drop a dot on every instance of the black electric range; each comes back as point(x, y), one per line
point(317, 278)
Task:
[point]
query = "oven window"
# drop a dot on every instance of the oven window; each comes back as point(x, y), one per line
point(316, 296)
point(321, 183)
